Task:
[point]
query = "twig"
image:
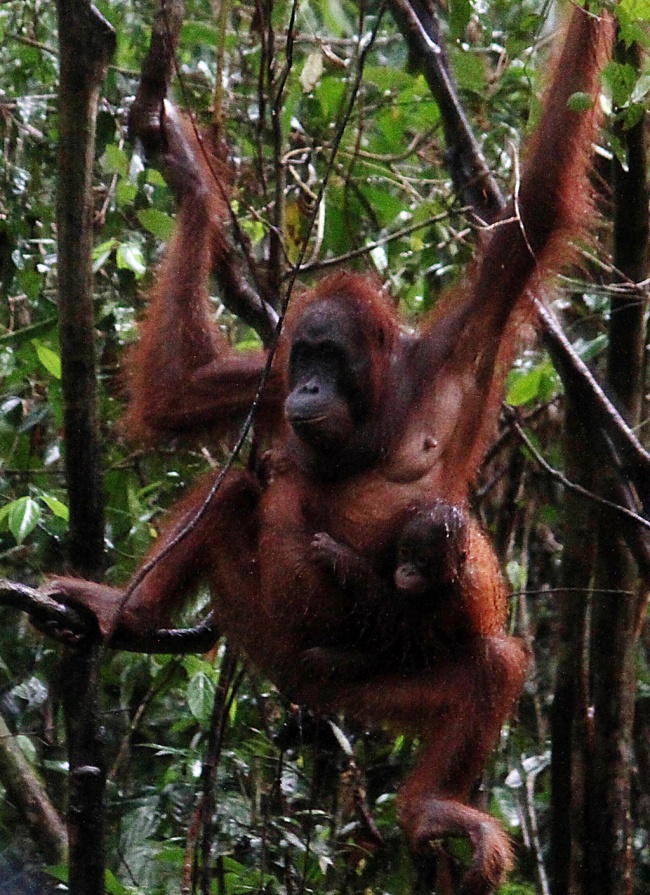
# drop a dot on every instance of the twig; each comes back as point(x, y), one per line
point(378, 243)
point(573, 486)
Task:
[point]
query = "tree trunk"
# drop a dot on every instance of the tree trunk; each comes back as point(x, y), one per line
point(86, 44)
point(614, 616)
point(569, 712)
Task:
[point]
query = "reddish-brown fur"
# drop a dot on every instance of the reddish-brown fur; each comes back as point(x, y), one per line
point(433, 399)
point(438, 596)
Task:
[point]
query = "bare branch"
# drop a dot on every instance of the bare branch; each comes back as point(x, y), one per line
point(573, 486)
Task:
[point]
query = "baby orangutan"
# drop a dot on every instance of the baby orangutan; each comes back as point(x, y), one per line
point(441, 587)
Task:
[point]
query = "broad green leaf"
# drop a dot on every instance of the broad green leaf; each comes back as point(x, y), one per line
point(49, 358)
point(200, 696)
point(387, 206)
point(336, 20)
point(523, 386)
point(390, 79)
point(58, 508)
point(620, 78)
point(30, 281)
point(330, 95)
point(197, 665)
point(156, 222)
point(470, 70)
point(632, 31)
point(113, 886)
point(635, 9)
point(23, 517)
point(391, 124)
point(155, 178)
point(632, 14)
point(129, 257)
point(125, 192)
point(115, 160)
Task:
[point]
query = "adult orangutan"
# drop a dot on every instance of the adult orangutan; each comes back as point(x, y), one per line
point(365, 421)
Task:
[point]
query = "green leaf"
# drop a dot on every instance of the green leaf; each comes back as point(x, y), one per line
point(48, 358)
point(156, 222)
point(588, 350)
point(459, 16)
point(632, 31)
point(620, 79)
point(58, 508)
point(523, 386)
point(330, 94)
point(580, 102)
point(19, 336)
point(155, 178)
point(23, 516)
point(391, 80)
point(336, 20)
point(470, 70)
point(199, 33)
point(386, 206)
point(129, 257)
point(633, 114)
point(26, 747)
point(30, 282)
point(102, 253)
point(635, 10)
point(200, 696)
point(641, 89)
point(125, 192)
point(391, 124)
point(115, 160)
point(113, 886)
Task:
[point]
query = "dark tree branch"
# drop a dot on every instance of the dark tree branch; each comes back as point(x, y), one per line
point(473, 180)
point(174, 641)
point(65, 623)
point(26, 791)
point(619, 509)
point(73, 627)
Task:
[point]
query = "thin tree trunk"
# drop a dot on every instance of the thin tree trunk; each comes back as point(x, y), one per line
point(86, 44)
point(614, 616)
point(26, 791)
point(569, 712)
